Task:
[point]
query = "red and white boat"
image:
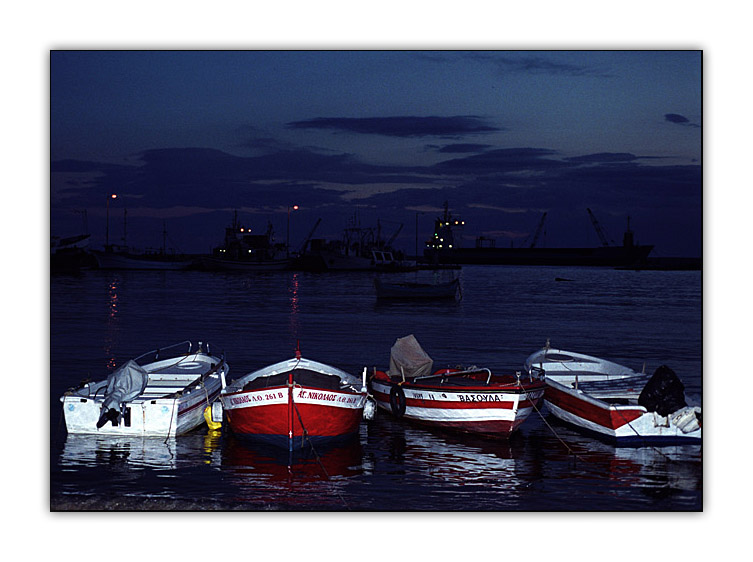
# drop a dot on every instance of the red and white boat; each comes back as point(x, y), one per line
point(294, 403)
point(614, 401)
point(472, 400)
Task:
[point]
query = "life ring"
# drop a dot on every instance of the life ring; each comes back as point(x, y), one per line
point(397, 401)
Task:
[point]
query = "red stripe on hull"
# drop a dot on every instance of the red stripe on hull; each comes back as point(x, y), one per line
point(273, 419)
point(605, 417)
point(501, 429)
point(457, 405)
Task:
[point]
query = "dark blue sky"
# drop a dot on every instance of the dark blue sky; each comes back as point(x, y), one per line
point(188, 137)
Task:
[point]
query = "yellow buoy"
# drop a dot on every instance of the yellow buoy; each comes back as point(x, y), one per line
point(208, 417)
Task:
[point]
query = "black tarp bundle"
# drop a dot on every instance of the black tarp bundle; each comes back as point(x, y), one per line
point(664, 393)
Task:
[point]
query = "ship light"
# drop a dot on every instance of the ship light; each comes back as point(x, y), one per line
point(450, 246)
point(462, 222)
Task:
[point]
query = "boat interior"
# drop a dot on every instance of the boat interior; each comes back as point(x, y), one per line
point(618, 391)
point(303, 377)
point(159, 385)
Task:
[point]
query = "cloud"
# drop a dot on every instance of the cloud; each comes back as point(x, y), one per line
point(523, 63)
point(460, 148)
point(404, 126)
point(505, 160)
point(679, 119)
point(503, 190)
point(604, 157)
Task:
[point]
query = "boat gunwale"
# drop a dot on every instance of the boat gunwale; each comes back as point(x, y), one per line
point(514, 387)
point(288, 365)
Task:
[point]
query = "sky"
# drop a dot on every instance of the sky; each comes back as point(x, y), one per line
point(186, 138)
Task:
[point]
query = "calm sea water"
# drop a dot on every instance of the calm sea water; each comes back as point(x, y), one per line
point(101, 318)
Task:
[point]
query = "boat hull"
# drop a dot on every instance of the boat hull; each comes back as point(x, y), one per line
point(624, 424)
point(285, 418)
point(605, 256)
point(218, 264)
point(159, 410)
point(110, 260)
point(438, 291)
point(494, 410)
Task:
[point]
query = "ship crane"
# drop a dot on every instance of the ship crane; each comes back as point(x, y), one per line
point(391, 239)
point(597, 227)
point(538, 231)
point(308, 238)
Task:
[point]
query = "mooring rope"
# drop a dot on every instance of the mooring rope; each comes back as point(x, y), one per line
point(316, 454)
point(645, 444)
point(570, 450)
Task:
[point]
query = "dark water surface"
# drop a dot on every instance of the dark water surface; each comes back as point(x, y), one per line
point(99, 319)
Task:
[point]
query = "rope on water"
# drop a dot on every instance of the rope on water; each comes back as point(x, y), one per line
point(316, 454)
point(570, 450)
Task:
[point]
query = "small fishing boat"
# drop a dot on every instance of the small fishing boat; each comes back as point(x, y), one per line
point(160, 393)
point(447, 290)
point(70, 254)
point(471, 400)
point(614, 401)
point(294, 403)
point(243, 251)
point(122, 257)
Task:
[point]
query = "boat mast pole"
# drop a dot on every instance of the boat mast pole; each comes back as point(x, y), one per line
point(290, 412)
point(107, 225)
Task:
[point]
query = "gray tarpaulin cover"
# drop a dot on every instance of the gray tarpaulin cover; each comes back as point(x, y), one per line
point(407, 357)
point(124, 384)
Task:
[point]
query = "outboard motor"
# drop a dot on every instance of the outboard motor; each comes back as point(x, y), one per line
point(664, 393)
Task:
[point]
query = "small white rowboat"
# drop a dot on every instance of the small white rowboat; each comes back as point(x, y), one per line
point(613, 401)
point(160, 393)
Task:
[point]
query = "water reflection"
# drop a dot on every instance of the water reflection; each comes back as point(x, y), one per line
point(202, 446)
point(113, 320)
point(608, 474)
point(133, 452)
point(293, 288)
point(269, 476)
point(447, 456)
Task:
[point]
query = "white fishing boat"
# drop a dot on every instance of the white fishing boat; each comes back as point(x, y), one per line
point(160, 393)
point(614, 401)
point(121, 257)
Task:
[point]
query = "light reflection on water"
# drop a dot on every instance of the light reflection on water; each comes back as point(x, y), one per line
point(101, 318)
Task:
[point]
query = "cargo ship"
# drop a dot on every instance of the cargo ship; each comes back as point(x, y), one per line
point(445, 248)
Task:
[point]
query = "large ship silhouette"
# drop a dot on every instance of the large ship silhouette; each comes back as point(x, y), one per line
point(445, 247)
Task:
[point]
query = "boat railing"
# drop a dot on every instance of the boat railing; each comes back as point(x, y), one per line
point(172, 351)
point(155, 354)
point(451, 373)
